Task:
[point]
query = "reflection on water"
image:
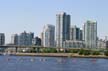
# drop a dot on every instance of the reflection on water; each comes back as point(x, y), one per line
point(27, 63)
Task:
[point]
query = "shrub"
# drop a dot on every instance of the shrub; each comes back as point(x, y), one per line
point(48, 50)
point(75, 50)
point(70, 51)
point(81, 52)
point(106, 53)
point(53, 50)
point(95, 53)
point(87, 52)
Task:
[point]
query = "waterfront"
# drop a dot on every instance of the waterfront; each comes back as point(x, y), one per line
point(31, 63)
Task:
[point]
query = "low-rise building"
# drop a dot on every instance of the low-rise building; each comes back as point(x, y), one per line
point(101, 43)
point(22, 39)
point(73, 44)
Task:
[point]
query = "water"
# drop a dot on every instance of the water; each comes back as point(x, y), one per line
point(27, 63)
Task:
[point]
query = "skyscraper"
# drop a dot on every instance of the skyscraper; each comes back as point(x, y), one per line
point(2, 38)
point(48, 36)
point(75, 33)
point(41, 38)
point(90, 34)
point(62, 28)
point(75, 38)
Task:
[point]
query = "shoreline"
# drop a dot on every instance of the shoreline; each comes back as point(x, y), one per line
point(60, 55)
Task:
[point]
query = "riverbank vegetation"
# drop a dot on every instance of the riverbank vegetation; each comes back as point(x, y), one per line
point(81, 51)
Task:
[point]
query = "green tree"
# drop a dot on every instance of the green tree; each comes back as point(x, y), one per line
point(53, 50)
point(87, 52)
point(75, 50)
point(106, 53)
point(81, 52)
point(95, 53)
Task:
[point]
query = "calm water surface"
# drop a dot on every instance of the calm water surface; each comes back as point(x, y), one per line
point(27, 63)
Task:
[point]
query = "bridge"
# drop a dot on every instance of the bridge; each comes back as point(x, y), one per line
point(16, 47)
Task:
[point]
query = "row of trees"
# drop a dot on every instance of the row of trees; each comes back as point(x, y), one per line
point(89, 52)
point(78, 51)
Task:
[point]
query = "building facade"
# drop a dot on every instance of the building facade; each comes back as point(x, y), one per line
point(90, 34)
point(73, 44)
point(41, 38)
point(37, 41)
point(14, 39)
point(62, 28)
point(48, 36)
point(107, 44)
point(26, 38)
point(75, 38)
point(23, 39)
point(2, 38)
point(101, 43)
point(75, 33)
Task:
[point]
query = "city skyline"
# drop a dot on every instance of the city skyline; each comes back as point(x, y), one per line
point(30, 15)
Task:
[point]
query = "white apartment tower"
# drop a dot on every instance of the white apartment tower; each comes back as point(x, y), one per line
point(62, 28)
point(48, 36)
point(90, 34)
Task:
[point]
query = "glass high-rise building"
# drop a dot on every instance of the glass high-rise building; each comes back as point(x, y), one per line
point(62, 28)
point(75, 33)
point(90, 34)
point(48, 36)
point(2, 38)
